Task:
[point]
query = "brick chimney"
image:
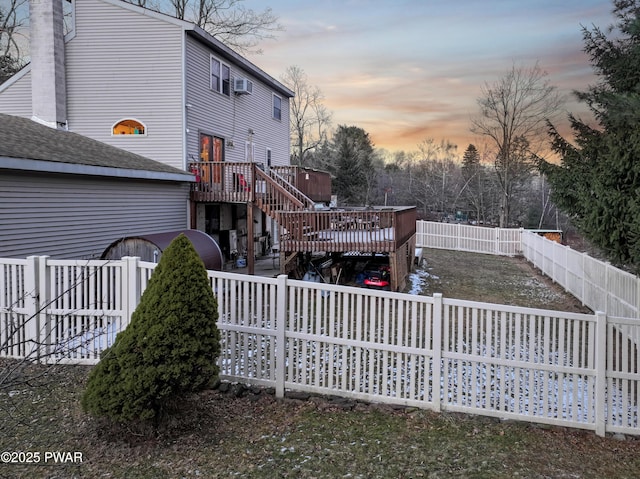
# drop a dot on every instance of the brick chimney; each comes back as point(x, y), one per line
point(48, 82)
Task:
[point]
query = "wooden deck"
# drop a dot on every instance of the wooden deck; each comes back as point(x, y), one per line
point(304, 228)
point(367, 230)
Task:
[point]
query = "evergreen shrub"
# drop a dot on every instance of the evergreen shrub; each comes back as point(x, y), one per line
point(168, 350)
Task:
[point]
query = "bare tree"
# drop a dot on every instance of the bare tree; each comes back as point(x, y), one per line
point(229, 21)
point(514, 112)
point(21, 349)
point(13, 18)
point(438, 177)
point(309, 118)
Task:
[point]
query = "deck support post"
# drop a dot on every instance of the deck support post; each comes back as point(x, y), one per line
point(251, 256)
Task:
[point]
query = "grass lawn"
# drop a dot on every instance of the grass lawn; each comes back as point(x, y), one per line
point(248, 433)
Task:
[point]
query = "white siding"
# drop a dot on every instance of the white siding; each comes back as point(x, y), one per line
point(122, 64)
point(78, 217)
point(15, 97)
point(231, 117)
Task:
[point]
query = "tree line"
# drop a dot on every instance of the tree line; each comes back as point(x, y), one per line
point(525, 172)
point(443, 186)
point(497, 184)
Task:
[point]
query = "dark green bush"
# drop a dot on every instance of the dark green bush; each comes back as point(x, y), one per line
point(168, 350)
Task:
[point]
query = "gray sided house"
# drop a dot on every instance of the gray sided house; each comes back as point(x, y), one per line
point(150, 84)
point(68, 196)
point(165, 89)
point(157, 86)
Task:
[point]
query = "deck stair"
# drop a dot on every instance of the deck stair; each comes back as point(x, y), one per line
point(287, 195)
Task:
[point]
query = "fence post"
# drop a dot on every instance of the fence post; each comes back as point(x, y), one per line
point(637, 305)
point(601, 373)
point(32, 339)
point(520, 245)
point(130, 288)
point(607, 289)
point(583, 292)
point(436, 377)
point(565, 250)
point(281, 334)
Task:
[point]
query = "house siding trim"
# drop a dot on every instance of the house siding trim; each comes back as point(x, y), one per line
point(16, 76)
point(185, 124)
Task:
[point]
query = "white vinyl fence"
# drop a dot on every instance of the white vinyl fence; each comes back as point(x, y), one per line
point(542, 366)
point(475, 239)
point(598, 285)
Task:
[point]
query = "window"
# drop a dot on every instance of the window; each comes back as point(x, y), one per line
point(277, 107)
point(268, 158)
point(128, 126)
point(220, 77)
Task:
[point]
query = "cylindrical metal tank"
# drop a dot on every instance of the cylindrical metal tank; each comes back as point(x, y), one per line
point(149, 247)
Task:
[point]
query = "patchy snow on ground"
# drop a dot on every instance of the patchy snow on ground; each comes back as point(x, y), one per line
point(419, 279)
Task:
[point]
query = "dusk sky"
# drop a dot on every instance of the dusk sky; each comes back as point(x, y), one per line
point(410, 70)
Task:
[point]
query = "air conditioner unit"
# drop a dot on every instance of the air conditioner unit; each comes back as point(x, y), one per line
point(242, 86)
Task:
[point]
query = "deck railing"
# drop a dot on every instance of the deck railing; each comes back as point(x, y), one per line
point(276, 194)
point(241, 182)
point(223, 181)
point(368, 230)
point(303, 227)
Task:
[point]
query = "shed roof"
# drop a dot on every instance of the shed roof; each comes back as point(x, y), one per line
point(24, 139)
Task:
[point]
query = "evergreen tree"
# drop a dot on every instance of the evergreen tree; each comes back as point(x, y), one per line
point(352, 165)
point(598, 180)
point(473, 175)
point(168, 350)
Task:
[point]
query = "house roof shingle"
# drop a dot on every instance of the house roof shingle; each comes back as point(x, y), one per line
point(25, 139)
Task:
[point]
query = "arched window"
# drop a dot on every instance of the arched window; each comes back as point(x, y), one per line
point(128, 126)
